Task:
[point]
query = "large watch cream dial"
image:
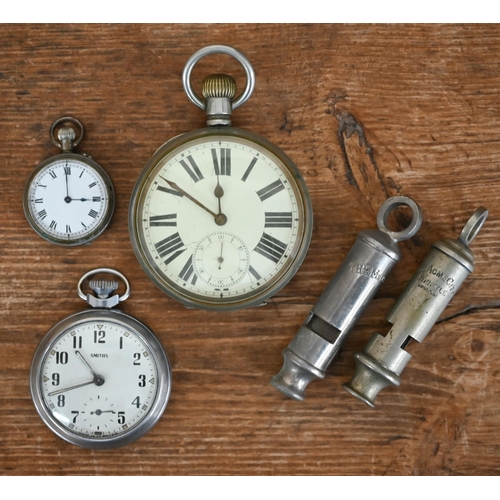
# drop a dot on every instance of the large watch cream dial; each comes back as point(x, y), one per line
point(220, 221)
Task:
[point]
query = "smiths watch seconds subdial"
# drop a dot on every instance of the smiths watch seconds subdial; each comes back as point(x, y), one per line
point(220, 218)
point(68, 199)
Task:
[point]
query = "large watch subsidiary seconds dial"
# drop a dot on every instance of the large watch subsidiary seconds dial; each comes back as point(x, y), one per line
point(68, 199)
point(220, 218)
point(100, 378)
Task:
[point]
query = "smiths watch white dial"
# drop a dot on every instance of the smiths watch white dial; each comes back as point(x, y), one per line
point(220, 218)
point(100, 378)
point(68, 199)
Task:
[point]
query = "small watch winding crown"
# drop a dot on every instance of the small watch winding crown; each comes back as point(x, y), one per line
point(218, 85)
point(103, 289)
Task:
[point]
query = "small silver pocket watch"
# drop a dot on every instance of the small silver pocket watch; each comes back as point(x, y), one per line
point(100, 378)
point(69, 198)
point(220, 218)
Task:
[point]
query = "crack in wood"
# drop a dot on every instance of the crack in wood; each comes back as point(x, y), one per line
point(348, 126)
point(470, 310)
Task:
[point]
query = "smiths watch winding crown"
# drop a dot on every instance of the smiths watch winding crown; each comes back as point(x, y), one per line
point(220, 218)
point(68, 199)
point(100, 378)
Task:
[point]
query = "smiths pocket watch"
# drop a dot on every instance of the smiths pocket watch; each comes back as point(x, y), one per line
point(220, 218)
point(100, 378)
point(68, 199)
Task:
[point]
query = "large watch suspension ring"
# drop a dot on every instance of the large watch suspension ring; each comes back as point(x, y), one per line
point(218, 49)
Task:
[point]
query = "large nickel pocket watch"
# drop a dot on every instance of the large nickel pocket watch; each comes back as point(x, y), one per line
point(220, 218)
point(100, 378)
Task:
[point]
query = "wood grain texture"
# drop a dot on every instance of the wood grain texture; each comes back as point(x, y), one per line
point(366, 112)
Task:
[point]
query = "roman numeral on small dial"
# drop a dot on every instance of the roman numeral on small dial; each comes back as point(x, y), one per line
point(171, 247)
point(163, 220)
point(270, 247)
point(270, 190)
point(278, 219)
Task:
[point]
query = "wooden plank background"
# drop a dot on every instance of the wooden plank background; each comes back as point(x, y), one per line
point(366, 112)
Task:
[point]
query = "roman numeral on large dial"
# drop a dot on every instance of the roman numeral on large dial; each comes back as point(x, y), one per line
point(278, 219)
point(171, 247)
point(169, 191)
point(188, 271)
point(271, 248)
point(225, 161)
point(163, 220)
point(249, 169)
point(270, 190)
point(192, 169)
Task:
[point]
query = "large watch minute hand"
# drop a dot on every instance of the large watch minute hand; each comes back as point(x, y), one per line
point(189, 197)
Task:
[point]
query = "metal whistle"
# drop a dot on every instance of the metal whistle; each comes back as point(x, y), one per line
point(415, 312)
point(346, 296)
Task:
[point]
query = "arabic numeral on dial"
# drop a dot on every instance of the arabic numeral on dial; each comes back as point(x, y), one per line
point(121, 417)
point(137, 357)
point(137, 402)
point(61, 357)
point(61, 400)
point(142, 381)
point(75, 413)
point(56, 379)
point(99, 336)
point(77, 342)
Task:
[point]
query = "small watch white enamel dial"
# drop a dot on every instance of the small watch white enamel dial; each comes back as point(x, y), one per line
point(220, 221)
point(69, 199)
point(100, 379)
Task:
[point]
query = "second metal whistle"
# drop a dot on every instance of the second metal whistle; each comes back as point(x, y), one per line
point(346, 296)
point(415, 312)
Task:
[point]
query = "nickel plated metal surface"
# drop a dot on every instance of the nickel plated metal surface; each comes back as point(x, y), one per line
point(83, 387)
point(431, 289)
point(218, 49)
point(344, 299)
